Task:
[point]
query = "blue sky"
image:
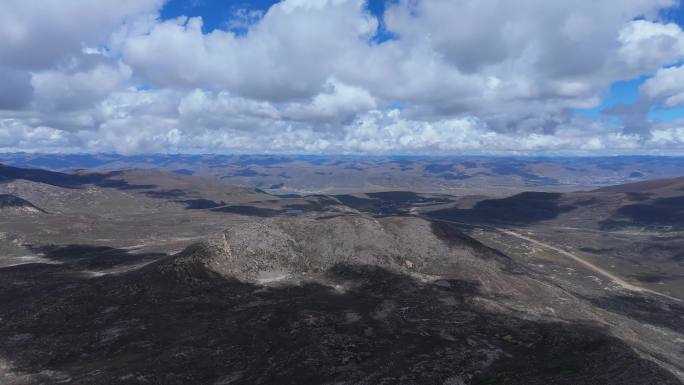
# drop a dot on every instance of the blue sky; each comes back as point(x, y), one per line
point(627, 93)
point(674, 15)
point(216, 13)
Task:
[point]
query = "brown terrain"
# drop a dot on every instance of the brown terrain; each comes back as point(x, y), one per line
point(292, 174)
point(151, 277)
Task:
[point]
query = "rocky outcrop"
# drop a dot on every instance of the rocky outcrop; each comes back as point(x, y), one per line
point(12, 204)
point(283, 248)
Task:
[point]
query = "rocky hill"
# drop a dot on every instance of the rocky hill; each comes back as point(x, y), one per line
point(294, 248)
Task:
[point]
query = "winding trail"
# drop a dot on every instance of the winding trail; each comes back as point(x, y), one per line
point(617, 280)
point(621, 282)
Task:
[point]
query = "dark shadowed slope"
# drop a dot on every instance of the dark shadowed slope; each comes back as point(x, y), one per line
point(59, 179)
point(650, 203)
point(656, 186)
point(11, 204)
point(643, 204)
point(524, 208)
point(155, 184)
point(386, 328)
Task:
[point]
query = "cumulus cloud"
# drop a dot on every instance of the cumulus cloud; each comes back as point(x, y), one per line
point(668, 84)
point(206, 110)
point(17, 134)
point(311, 76)
point(37, 34)
point(47, 35)
point(291, 52)
point(647, 46)
point(57, 90)
point(338, 101)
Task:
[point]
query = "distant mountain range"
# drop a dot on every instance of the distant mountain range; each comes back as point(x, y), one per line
point(342, 174)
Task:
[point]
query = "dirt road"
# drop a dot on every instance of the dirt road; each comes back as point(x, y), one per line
point(617, 280)
point(624, 284)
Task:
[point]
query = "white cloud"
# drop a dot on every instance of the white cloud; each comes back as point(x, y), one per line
point(16, 134)
point(290, 53)
point(243, 19)
point(306, 75)
point(133, 122)
point(36, 34)
point(57, 90)
point(668, 84)
point(205, 110)
point(338, 101)
point(647, 46)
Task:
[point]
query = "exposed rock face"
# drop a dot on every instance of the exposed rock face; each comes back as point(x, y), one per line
point(300, 246)
point(291, 247)
point(12, 204)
